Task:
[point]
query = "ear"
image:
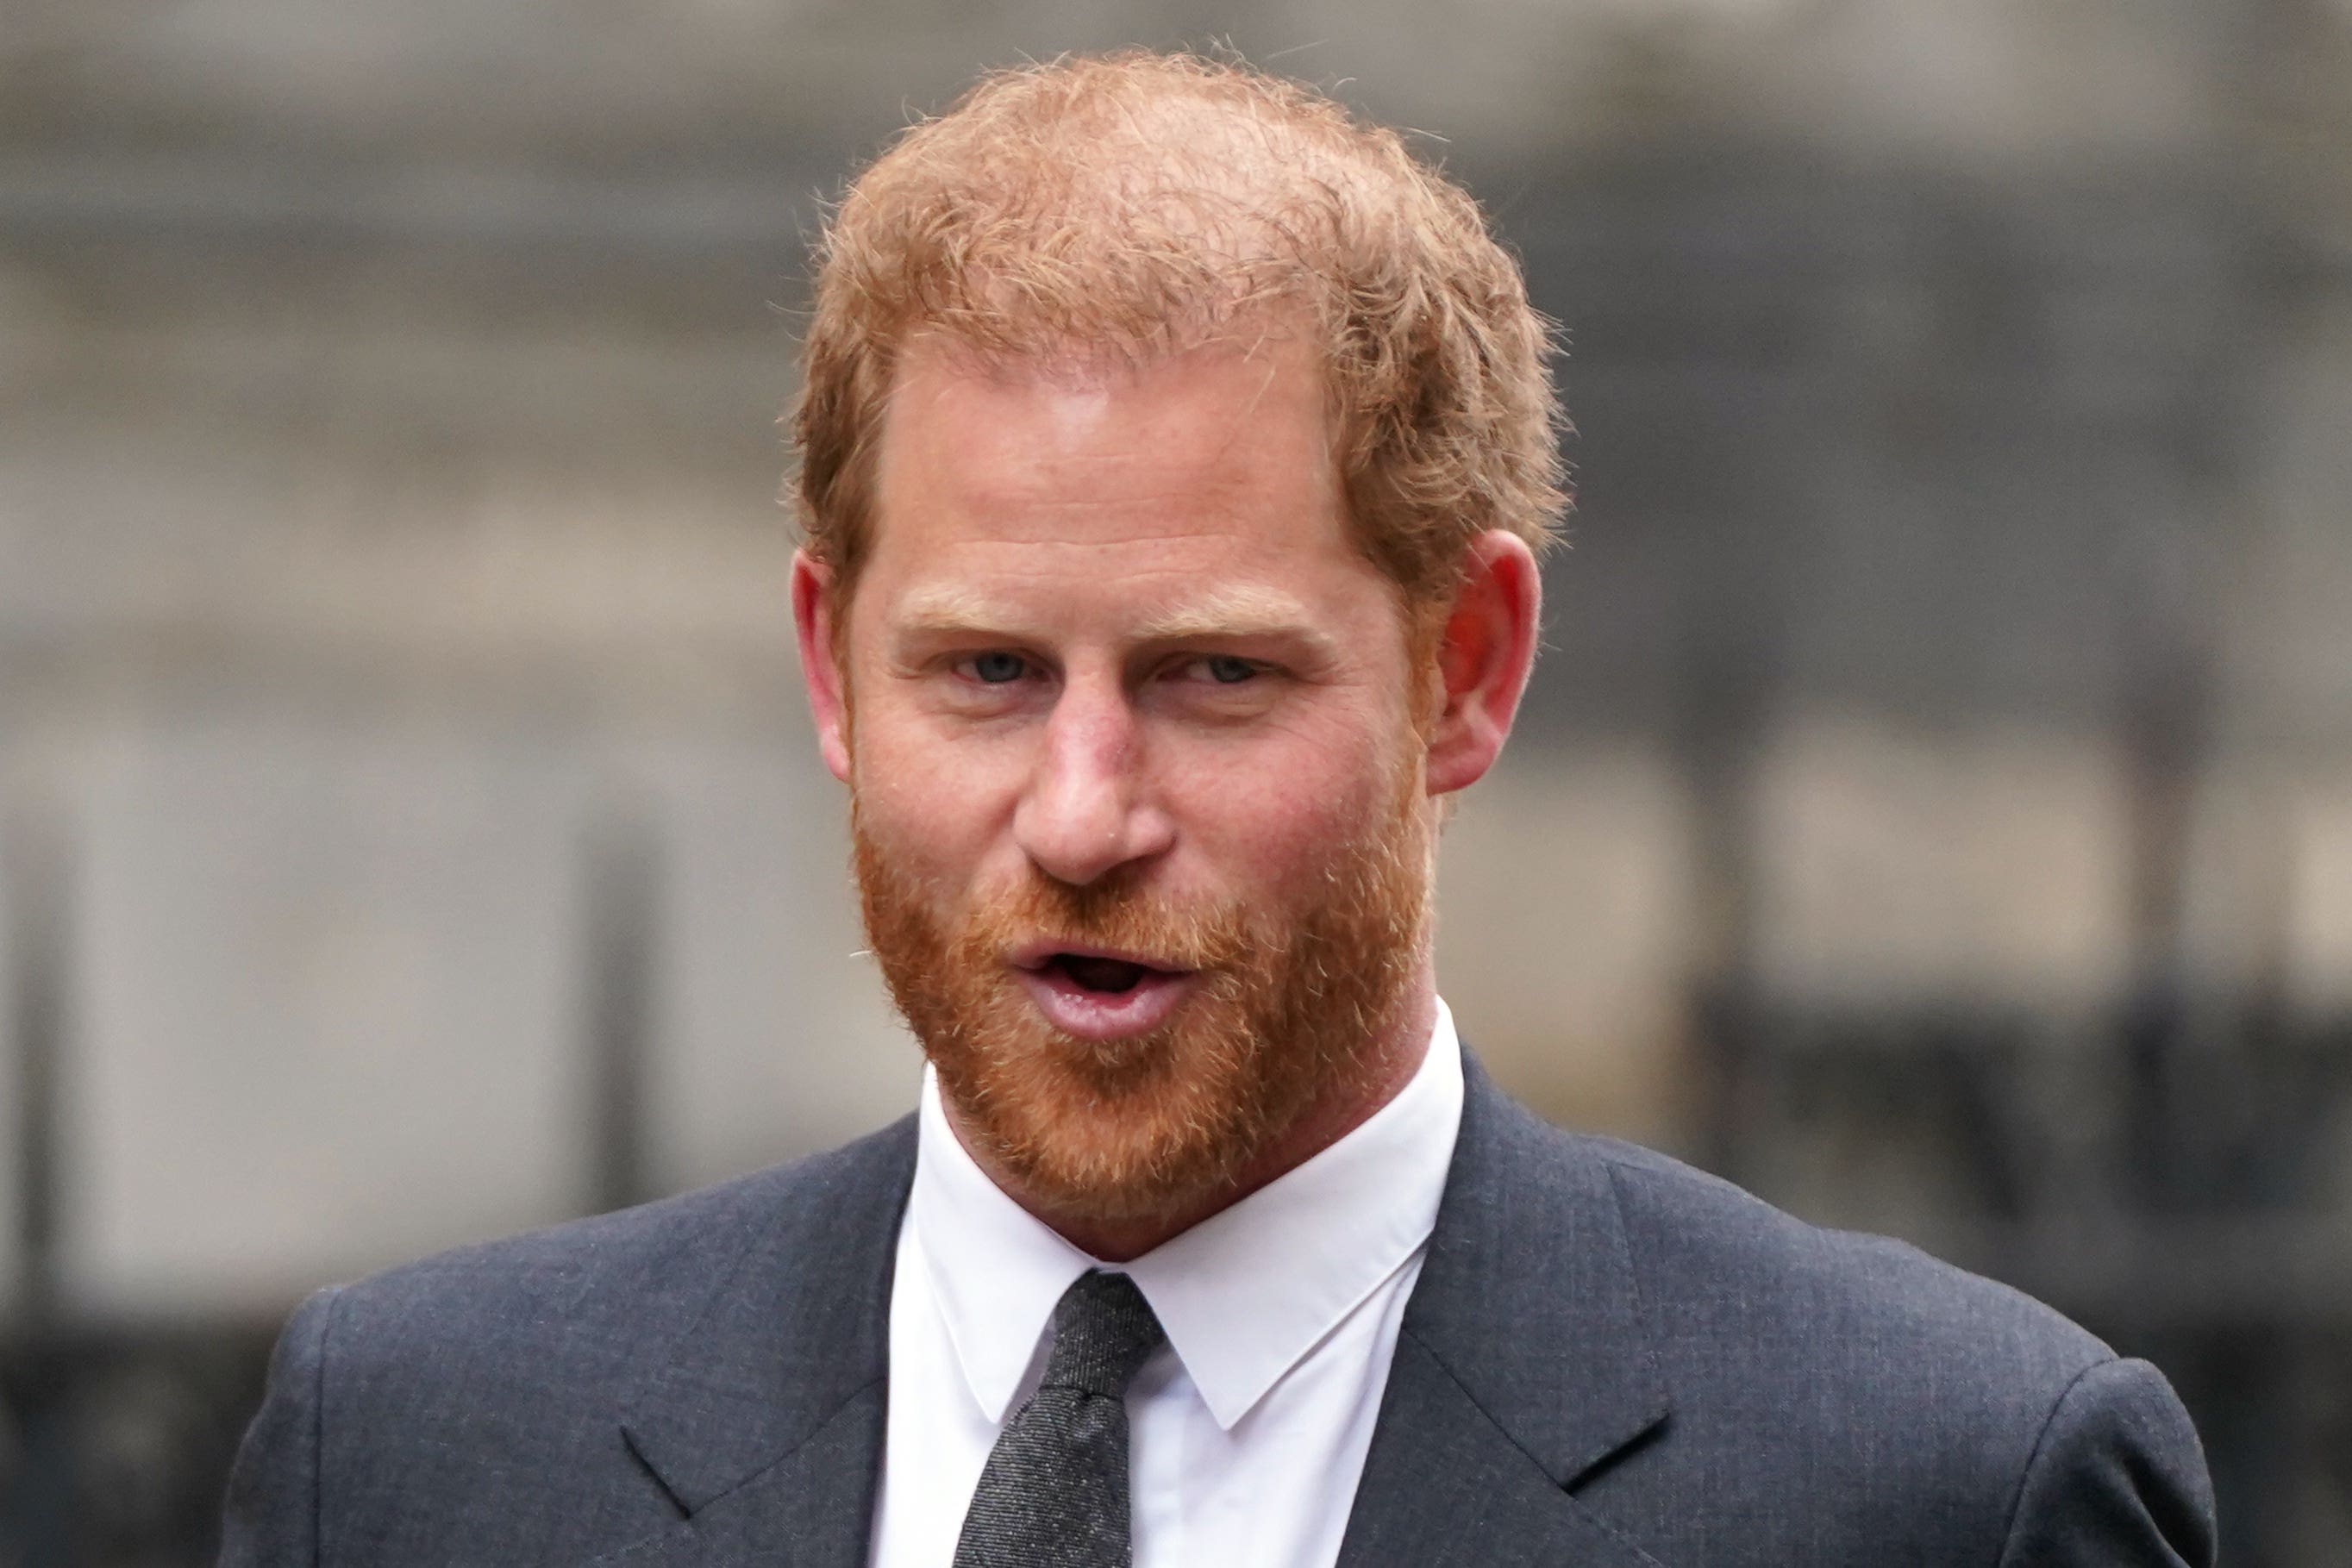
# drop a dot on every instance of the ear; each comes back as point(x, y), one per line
point(814, 608)
point(1483, 655)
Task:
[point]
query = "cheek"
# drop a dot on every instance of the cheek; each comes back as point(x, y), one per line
point(1274, 821)
point(933, 806)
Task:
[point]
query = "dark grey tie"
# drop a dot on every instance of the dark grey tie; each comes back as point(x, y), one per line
point(1054, 1492)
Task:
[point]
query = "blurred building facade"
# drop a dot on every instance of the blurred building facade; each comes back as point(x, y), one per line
point(1934, 809)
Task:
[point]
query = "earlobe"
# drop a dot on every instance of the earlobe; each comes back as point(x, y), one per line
point(814, 608)
point(1485, 650)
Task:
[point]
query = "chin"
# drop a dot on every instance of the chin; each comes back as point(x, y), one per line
point(1126, 1129)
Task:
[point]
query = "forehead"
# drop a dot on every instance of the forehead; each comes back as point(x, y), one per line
point(1201, 466)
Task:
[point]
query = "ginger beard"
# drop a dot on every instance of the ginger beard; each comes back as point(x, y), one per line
point(1292, 1009)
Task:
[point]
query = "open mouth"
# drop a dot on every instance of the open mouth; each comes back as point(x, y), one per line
point(1100, 996)
point(1103, 977)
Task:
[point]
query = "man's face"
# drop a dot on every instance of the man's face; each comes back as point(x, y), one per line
point(1141, 829)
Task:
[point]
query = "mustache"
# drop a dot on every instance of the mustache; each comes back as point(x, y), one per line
point(1115, 913)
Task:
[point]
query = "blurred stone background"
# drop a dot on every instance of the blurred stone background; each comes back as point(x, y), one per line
point(1934, 810)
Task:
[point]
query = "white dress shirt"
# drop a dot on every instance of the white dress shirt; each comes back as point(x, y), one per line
point(1248, 1428)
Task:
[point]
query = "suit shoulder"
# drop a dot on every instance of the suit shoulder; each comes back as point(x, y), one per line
point(1928, 1412)
point(609, 1278)
point(1718, 1260)
point(493, 1379)
point(1921, 1387)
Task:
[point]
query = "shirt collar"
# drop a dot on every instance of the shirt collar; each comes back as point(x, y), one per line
point(1245, 1294)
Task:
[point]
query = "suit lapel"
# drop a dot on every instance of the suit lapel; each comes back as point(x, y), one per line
point(1523, 1363)
point(812, 1507)
point(765, 1422)
point(1445, 1487)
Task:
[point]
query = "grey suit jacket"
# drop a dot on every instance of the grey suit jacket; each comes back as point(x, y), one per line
point(1610, 1361)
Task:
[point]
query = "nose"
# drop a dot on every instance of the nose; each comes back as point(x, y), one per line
point(1087, 811)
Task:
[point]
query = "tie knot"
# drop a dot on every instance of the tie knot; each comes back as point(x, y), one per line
point(1104, 1331)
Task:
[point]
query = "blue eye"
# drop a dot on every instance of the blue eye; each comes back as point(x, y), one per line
point(996, 669)
point(1228, 671)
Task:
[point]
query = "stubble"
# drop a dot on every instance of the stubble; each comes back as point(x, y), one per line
point(1295, 1011)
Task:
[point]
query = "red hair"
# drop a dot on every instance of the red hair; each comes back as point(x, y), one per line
point(1136, 204)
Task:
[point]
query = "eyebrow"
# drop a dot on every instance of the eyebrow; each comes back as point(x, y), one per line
point(1251, 612)
point(1234, 613)
point(950, 609)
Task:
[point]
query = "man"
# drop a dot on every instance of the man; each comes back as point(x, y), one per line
point(1174, 453)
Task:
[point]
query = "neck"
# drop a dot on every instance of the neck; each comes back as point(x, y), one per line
point(1328, 1118)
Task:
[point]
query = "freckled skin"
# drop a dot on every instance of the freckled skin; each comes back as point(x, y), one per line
point(1042, 723)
